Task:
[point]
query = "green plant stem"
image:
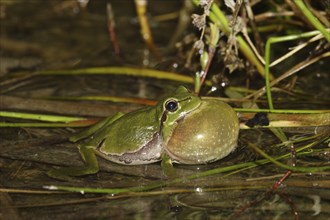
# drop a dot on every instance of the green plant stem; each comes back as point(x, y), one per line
point(140, 72)
point(267, 79)
point(43, 125)
point(284, 111)
point(312, 19)
point(273, 40)
point(130, 71)
point(40, 117)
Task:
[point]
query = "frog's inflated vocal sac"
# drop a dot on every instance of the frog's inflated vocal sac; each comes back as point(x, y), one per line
point(183, 127)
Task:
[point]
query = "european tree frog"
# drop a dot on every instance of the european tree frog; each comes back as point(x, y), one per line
point(183, 128)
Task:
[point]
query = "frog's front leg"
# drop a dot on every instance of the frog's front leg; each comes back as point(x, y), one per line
point(87, 153)
point(91, 166)
point(167, 166)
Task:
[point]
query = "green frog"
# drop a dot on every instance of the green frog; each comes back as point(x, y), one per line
point(182, 128)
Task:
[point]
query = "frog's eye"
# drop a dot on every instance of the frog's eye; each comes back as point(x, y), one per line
point(171, 105)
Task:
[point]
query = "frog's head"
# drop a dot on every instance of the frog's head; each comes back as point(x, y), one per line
point(175, 107)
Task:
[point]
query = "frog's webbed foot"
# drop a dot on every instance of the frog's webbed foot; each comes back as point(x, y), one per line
point(91, 167)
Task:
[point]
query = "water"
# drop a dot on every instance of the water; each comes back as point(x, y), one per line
point(39, 35)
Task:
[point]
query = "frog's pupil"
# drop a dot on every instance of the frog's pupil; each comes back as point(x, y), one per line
point(171, 106)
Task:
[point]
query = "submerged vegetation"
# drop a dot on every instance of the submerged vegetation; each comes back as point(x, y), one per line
point(267, 59)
